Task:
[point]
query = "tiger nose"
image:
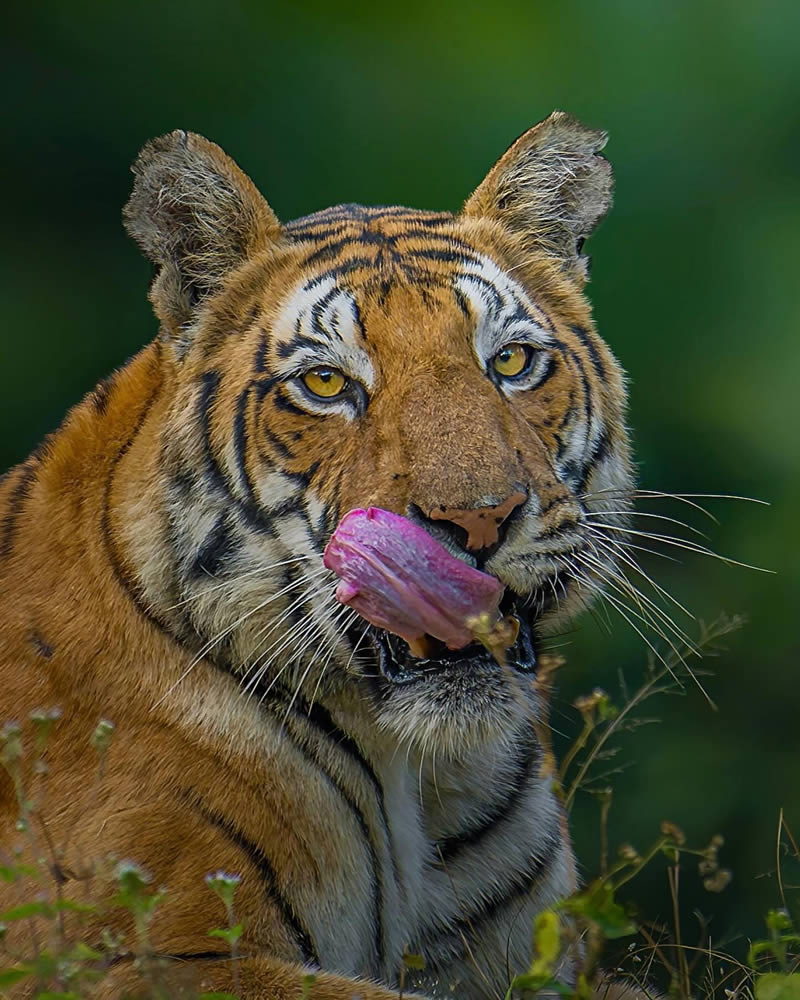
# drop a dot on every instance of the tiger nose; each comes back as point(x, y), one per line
point(482, 524)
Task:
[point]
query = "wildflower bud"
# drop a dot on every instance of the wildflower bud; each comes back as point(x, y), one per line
point(223, 885)
point(131, 877)
point(628, 853)
point(10, 744)
point(101, 737)
point(673, 832)
point(720, 880)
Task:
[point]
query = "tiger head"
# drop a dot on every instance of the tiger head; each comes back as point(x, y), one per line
point(444, 367)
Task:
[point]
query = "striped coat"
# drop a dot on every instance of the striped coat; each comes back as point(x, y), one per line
point(160, 560)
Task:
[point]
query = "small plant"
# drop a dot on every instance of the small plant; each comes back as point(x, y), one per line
point(224, 886)
point(58, 958)
point(582, 924)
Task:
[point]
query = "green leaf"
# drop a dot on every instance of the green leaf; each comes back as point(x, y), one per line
point(10, 976)
point(12, 873)
point(778, 986)
point(413, 961)
point(83, 953)
point(547, 937)
point(73, 906)
point(229, 934)
point(597, 905)
point(529, 981)
point(25, 910)
point(779, 920)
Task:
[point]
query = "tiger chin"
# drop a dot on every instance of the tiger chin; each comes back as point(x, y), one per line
point(161, 566)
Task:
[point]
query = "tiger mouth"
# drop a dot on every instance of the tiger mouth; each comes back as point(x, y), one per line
point(399, 665)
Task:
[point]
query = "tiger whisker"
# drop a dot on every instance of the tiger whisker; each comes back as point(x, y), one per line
point(643, 614)
point(283, 641)
point(682, 543)
point(624, 611)
point(235, 580)
point(649, 609)
point(642, 513)
point(309, 639)
point(355, 648)
point(218, 638)
point(618, 551)
point(611, 565)
point(333, 619)
point(270, 627)
point(343, 627)
point(618, 607)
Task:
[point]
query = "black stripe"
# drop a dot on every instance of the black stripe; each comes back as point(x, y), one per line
point(121, 575)
point(329, 250)
point(341, 270)
point(450, 847)
point(282, 402)
point(469, 924)
point(215, 476)
point(319, 232)
point(260, 360)
point(444, 256)
point(431, 222)
point(42, 648)
point(277, 444)
point(303, 716)
point(16, 504)
point(318, 308)
point(240, 442)
point(478, 279)
point(435, 239)
point(218, 545)
point(302, 478)
point(588, 341)
point(568, 414)
point(587, 390)
point(298, 341)
point(600, 451)
point(320, 718)
point(462, 302)
point(261, 862)
point(550, 368)
point(101, 393)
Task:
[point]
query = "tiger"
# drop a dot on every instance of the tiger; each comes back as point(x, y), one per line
point(161, 567)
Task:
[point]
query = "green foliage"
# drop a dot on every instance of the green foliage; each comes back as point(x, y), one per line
point(59, 960)
point(62, 962)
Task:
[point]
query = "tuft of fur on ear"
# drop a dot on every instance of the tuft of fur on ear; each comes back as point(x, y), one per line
point(196, 216)
point(550, 188)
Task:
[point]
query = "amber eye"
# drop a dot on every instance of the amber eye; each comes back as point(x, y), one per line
point(512, 360)
point(325, 382)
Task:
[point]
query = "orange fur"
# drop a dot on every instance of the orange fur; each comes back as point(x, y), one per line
point(91, 612)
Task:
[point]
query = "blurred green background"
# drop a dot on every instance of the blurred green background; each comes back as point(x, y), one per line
point(694, 286)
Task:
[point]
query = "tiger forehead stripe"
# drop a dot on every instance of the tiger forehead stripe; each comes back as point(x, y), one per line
point(321, 324)
point(376, 247)
point(501, 309)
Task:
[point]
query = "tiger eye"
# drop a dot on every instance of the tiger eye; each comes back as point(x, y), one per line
point(512, 360)
point(325, 382)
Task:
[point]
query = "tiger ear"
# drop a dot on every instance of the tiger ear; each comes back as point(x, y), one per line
point(550, 188)
point(196, 216)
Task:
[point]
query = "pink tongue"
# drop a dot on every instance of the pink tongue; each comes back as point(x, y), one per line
point(400, 578)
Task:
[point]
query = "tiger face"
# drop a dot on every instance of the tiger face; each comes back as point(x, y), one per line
point(444, 367)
